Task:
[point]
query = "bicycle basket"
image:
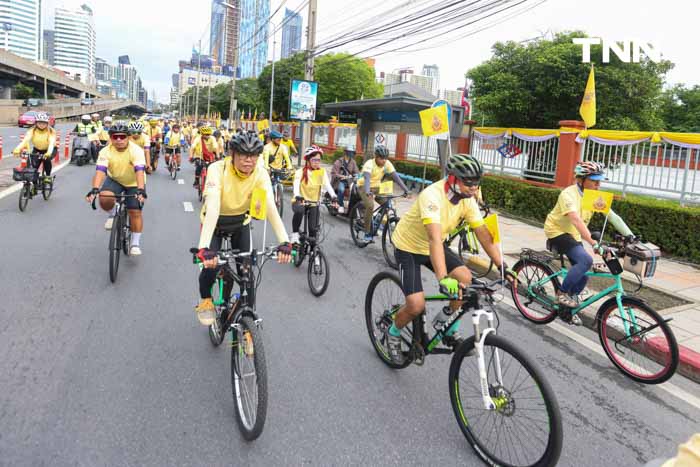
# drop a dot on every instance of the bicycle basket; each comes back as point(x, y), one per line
point(23, 175)
point(641, 259)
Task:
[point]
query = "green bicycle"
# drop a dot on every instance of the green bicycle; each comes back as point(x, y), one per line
point(637, 340)
point(468, 247)
point(499, 396)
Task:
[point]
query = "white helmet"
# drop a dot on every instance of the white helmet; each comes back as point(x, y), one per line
point(42, 117)
point(108, 119)
point(136, 127)
point(85, 117)
point(95, 115)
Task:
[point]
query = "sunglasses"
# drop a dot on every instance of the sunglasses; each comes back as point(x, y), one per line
point(471, 182)
point(248, 156)
point(315, 159)
point(119, 137)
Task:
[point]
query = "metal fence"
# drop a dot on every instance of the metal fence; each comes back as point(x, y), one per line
point(536, 161)
point(345, 137)
point(659, 169)
point(421, 148)
point(320, 135)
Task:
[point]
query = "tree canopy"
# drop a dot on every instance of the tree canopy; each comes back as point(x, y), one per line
point(539, 83)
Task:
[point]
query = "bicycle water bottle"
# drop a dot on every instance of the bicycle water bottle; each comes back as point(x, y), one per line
point(441, 318)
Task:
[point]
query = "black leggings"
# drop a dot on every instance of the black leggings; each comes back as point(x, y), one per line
point(38, 157)
point(240, 240)
point(299, 217)
point(198, 166)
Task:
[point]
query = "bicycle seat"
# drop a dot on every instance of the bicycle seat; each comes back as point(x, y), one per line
point(552, 248)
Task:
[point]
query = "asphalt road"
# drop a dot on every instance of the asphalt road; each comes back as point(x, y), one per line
point(94, 373)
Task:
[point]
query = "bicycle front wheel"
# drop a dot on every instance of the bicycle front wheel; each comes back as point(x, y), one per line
point(173, 167)
point(357, 224)
point(638, 341)
point(249, 378)
point(388, 247)
point(525, 428)
point(279, 198)
point(114, 248)
point(383, 299)
point(318, 274)
point(47, 189)
point(24, 194)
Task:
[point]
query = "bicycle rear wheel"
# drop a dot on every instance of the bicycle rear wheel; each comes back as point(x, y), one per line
point(383, 299)
point(114, 248)
point(24, 194)
point(200, 187)
point(478, 262)
point(318, 274)
point(249, 378)
point(357, 224)
point(279, 198)
point(172, 166)
point(537, 303)
point(216, 330)
point(388, 247)
point(648, 352)
point(525, 428)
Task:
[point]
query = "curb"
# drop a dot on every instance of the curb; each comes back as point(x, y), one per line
point(17, 185)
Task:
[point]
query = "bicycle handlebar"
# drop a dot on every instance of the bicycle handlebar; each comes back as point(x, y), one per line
point(486, 288)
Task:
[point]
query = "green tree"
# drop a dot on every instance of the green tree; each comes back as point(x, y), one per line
point(23, 91)
point(340, 77)
point(219, 102)
point(680, 109)
point(541, 82)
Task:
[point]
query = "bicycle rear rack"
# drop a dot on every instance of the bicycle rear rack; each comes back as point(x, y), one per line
point(540, 256)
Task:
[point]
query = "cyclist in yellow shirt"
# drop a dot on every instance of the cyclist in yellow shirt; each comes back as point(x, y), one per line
point(155, 135)
point(229, 190)
point(373, 173)
point(103, 133)
point(275, 154)
point(287, 141)
point(42, 139)
point(419, 241)
point(173, 142)
point(203, 151)
point(220, 144)
point(138, 137)
point(120, 169)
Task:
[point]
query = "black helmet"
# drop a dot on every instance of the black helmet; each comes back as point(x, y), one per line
point(464, 166)
point(217, 134)
point(119, 126)
point(381, 151)
point(247, 143)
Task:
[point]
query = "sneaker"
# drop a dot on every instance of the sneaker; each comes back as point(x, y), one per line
point(135, 251)
point(294, 238)
point(393, 346)
point(108, 223)
point(341, 210)
point(178, 168)
point(369, 238)
point(196, 183)
point(206, 312)
point(576, 321)
point(566, 300)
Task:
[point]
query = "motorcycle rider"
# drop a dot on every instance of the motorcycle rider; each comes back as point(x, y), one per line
point(343, 167)
point(86, 126)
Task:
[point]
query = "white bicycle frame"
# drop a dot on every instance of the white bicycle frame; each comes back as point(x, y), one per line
point(479, 338)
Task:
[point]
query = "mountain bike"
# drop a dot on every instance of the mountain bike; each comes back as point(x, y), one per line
point(172, 165)
point(276, 177)
point(636, 339)
point(201, 186)
point(503, 404)
point(384, 217)
point(318, 274)
point(469, 249)
point(120, 235)
point(237, 313)
point(32, 182)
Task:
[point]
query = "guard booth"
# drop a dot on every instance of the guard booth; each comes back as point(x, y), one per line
point(394, 122)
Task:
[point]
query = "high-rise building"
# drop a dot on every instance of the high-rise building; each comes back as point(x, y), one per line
point(291, 33)
point(49, 46)
point(124, 60)
point(75, 43)
point(424, 82)
point(434, 72)
point(453, 97)
point(253, 36)
point(20, 28)
point(103, 70)
point(223, 39)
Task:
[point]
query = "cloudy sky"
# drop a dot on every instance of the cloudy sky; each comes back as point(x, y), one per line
point(157, 34)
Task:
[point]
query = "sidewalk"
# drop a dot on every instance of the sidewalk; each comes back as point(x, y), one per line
point(679, 281)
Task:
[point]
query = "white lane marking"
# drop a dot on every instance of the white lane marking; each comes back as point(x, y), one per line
point(595, 347)
point(180, 181)
point(16, 187)
point(188, 206)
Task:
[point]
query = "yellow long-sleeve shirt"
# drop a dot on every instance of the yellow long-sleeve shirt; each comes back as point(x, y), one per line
point(41, 140)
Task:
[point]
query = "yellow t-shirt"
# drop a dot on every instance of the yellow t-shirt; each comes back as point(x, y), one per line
point(281, 154)
point(433, 207)
point(558, 223)
point(311, 190)
point(376, 173)
point(211, 144)
point(121, 165)
point(39, 140)
point(290, 146)
point(174, 139)
point(143, 141)
point(153, 133)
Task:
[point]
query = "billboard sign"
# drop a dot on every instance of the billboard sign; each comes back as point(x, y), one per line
point(302, 100)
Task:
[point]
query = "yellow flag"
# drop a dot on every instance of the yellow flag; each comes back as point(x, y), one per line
point(597, 201)
point(433, 121)
point(258, 204)
point(255, 115)
point(386, 188)
point(263, 124)
point(587, 109)
point(491, 222)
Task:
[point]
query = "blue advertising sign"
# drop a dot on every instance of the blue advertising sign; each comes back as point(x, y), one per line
point(302, 100)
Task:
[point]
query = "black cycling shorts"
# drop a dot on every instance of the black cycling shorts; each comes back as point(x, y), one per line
point(117, 189)
point(172, 150)
point(409, 268)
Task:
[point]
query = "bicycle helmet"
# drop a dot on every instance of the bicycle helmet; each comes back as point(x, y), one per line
point(590, 169)
point(381, 151)
point(135, 127)
point(153, 122)
point(86, 118)
point(205, 131)
point(95, 115)
point(311, 151)
point(464, 167)
point(107, 119)
point(275, 134)
point(247, 143)
point(120, 126)
point(42, 117)
point(217, 134)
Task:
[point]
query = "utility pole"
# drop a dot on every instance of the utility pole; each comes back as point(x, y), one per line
point(208, 94)
point(309, 70)
point(199, 71)
point(272, 84)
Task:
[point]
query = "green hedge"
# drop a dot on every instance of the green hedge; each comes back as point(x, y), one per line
point(664, 223)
